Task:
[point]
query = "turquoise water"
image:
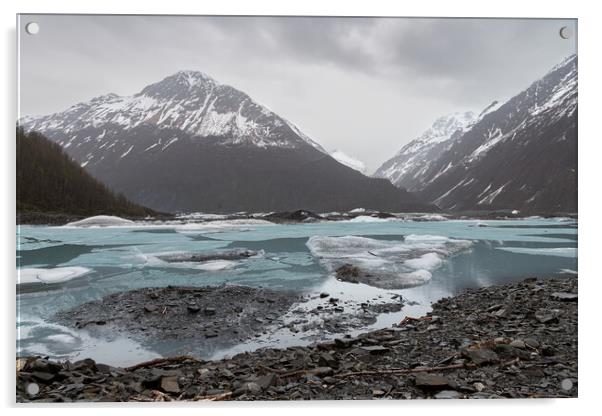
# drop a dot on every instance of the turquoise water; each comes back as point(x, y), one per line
point(446, 256)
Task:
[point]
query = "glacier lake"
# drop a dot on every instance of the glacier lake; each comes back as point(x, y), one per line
point(64, 266)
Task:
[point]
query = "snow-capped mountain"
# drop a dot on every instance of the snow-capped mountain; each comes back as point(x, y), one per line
point(349, 161)
point(189, 143)
point(519, 154)
point(409, 167)
point(188, 101)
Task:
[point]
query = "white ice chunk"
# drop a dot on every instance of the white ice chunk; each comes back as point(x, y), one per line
point(56, 275)
point(101, 221)
point(216, 265)
point(428, 261)
point(367, 218)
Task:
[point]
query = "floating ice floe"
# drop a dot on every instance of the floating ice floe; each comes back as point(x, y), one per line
point(384, 263)
point(101, 221)
point(210, 260)
point(208, 256)
point(56, 275)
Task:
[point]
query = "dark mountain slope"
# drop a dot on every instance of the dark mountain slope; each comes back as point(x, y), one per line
point(521, 155)
point(50, 182)
point(188, 143)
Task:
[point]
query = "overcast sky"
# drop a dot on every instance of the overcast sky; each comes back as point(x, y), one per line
point(365, 86)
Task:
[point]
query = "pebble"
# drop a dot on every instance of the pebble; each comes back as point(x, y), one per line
point(425, 380)
point(565, 296)
point(479, 386)
point(448, 394)
point(517, 343)
point(481, 356)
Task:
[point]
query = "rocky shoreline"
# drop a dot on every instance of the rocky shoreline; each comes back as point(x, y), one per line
point(510, 341)
point(294, 217)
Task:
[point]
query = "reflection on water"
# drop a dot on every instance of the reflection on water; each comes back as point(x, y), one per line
point(125, 258)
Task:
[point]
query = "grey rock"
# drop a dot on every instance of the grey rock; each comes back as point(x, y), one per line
point(169, 384)
point(447, 394)
point(565, 296)
point(531, 342)
point(266, 381)
point(375, 349)
point(517, 343)
point(545, 317)
point(326, 359)
point(193, 308)
point(46, 377)
point(247, 388)
point(150, 308)
point(481, 356)
point(507, 351)
point(431, 381)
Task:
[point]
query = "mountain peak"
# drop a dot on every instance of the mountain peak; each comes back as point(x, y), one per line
point(413, 157)
point(179, 85)
point(189, 101)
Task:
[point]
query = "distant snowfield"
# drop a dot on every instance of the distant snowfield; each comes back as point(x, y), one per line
point(349, 161)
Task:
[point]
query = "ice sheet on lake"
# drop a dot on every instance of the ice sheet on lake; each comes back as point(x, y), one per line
point(367, 218)
point(101, 221)
point(391, 264)
point(222, 225)
point(56, 275)
point(557, 251)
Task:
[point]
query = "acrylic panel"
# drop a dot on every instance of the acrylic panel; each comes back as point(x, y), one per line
point(289, 208)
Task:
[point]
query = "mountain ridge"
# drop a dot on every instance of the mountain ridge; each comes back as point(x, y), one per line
point(520, 154)
point(187, 143)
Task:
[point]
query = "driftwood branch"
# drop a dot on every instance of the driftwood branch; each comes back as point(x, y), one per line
point(467, 366)
point(161, 361)
point(405, 370)
point(213, 397)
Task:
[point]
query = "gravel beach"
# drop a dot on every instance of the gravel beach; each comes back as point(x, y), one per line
point(510, 341)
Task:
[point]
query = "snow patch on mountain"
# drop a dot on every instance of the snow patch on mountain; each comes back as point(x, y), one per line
point(412, 160)
point(349, 161)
